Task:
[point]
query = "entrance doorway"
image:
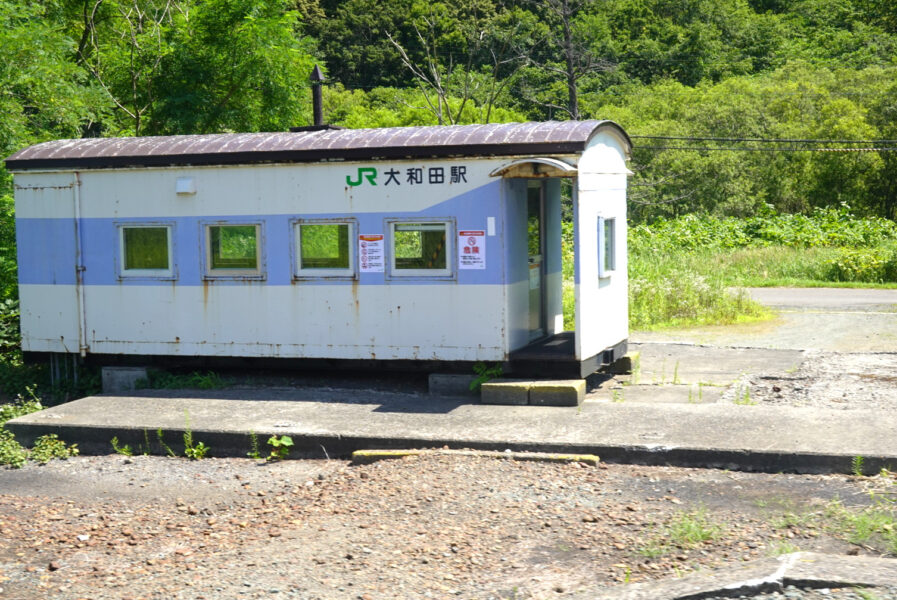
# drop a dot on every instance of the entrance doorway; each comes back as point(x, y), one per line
point(535, 228)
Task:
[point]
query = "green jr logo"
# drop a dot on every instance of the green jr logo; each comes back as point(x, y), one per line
point(369, 173)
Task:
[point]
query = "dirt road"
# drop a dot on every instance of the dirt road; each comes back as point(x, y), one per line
point(431, 527)
point(826, 348)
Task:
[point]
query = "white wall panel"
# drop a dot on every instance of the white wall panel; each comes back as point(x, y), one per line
point(44, 195)
point(602, 304)
point(49, 318)
point(272, 189)
point(443, 322)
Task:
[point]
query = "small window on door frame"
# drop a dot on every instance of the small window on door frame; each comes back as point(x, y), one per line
point(607, 241)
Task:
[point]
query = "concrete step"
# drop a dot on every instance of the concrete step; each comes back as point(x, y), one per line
point(521, 392)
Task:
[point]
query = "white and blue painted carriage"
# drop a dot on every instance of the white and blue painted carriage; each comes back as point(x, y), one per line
point(422, 246)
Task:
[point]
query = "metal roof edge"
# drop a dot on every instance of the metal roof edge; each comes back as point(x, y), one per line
point(294, 156)
point(498, 139)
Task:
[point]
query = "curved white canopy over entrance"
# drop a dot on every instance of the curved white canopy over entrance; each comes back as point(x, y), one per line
point(535, 168)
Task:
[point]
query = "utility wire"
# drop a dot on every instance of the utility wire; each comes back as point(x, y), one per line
point(766, 140)
point(730, 149)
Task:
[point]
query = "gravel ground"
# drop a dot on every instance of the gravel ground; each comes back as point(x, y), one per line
point(826, 380)
point(434, 526)
point(794, 593)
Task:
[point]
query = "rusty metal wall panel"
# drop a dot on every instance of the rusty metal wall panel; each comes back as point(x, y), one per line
point(372, 314)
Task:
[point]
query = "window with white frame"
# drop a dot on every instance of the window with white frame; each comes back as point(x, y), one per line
point(145, 250)
point(421, 248)
point(324, 248)
point(233, 250)
point(607, 258)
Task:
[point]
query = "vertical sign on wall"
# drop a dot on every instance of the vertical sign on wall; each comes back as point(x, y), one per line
point(472, 249)
point(370, 253)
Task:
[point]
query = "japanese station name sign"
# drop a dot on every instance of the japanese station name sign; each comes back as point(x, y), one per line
point(408, 176)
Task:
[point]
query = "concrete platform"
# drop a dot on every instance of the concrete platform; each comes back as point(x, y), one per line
point(328, 422)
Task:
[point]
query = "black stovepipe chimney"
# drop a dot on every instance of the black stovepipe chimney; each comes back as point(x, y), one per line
point(317, 100)
point(317, 78)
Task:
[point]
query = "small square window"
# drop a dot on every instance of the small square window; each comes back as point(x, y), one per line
point(145, 251)
point(421, 248)
point(233, 250)
point(324, 249)
point(607, 256)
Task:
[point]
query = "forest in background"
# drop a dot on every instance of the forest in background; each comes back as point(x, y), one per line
point(734, 69)
point(714, 80)
point(713, 201)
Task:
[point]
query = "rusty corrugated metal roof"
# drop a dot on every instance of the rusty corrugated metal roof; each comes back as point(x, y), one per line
point(497, 139)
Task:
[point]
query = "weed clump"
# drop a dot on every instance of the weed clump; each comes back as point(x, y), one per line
point(685, 531)
point(45, 447)
point(163, 380)
point(48, 447)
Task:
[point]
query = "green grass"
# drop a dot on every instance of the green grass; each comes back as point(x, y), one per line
point(685, 531)
point(686, 272)
point(794, 519)
point(45, 448)
point(665, 292)
point(688, 530)
point(699, 287)
point(874, 526)
point(797, 267)
point(670, 290)
point(163, 380)
point(11, 452)
point(782, 547)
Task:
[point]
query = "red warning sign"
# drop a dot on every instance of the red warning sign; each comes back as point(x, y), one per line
point(472, 249)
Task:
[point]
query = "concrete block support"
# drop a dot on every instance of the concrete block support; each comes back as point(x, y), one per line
point(561, 392)
point(450, 384)
point(567, 392)
point(625, 365)
point(121, 379)
point(505, 392)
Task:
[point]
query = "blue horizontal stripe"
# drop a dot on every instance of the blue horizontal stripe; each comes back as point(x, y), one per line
point(46, 251)
point(47, 246)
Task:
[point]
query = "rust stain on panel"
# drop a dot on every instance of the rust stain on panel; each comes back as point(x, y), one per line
point(355, 301)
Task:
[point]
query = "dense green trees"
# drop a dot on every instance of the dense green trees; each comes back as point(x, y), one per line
point(690, 68)
point(43, 92)
point(798, 101)
point(177, 66)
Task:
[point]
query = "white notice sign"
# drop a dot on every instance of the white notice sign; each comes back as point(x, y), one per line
point(472, 249)
point(370, 253)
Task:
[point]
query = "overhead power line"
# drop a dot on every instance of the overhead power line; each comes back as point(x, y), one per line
point(764, 140)
point(766, 144)
point(730, 149)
